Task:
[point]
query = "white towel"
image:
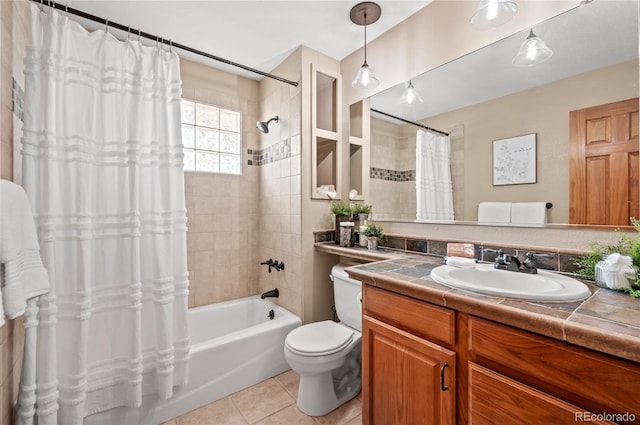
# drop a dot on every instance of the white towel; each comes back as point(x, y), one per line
point(463, 262)
point(529, 212)
point(21, 271)
point(494, 212)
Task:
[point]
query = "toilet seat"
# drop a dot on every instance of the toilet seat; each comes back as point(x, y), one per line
point(319, 339)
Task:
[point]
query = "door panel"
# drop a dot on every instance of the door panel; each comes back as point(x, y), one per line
point(406, 380)
point(604, 164)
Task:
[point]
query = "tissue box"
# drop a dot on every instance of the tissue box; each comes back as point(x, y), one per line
point(465, 250)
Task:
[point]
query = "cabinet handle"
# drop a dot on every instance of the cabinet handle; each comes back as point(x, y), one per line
point(443, 387)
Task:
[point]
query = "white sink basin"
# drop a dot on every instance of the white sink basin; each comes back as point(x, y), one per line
point(484, 279)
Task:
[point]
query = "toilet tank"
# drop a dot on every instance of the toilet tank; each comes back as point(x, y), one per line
point(348, 297)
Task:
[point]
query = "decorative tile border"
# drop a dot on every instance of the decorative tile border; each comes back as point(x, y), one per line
point(17, 94)
point(392, 175)
point(273, 153)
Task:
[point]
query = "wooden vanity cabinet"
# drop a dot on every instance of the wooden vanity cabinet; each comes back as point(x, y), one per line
point(549, 374)
point(406, 378)
point(493, 373)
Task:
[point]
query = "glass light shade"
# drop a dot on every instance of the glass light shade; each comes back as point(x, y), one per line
point(365, 79)
point(532, 52)
point(492, 13)
point(411, 96)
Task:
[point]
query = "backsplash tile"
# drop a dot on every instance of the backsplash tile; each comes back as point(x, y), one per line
point(547, 260)
point(417, 245)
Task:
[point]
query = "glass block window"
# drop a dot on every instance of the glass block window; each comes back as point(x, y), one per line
point(212, 138)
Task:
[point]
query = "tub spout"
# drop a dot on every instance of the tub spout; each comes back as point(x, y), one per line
point(274, 293)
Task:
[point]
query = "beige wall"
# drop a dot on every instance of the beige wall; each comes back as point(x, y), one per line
point(437, 34)
point(318, 290)
point(14, 34)
point(223, 210)
point(543, 110)
point(280, 190)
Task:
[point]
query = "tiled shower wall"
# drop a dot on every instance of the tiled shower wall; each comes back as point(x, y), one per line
point(14, 34)
point(223, 210)
point(280, 191)
point(393, 165)
point(393, 162)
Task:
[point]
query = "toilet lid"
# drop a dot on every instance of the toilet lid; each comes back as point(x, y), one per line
point(320, 338)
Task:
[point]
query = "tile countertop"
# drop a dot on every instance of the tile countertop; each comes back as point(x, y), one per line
point(607, 321)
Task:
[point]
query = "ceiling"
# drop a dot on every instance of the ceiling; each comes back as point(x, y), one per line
point(600, 33)
point(259, 34)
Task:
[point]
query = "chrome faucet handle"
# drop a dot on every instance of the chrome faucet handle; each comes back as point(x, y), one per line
point(529, 264)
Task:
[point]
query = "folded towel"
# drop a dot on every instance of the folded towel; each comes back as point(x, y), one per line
point(529, 212)
point(494, 212)
point(22, 273)
point(462, 262)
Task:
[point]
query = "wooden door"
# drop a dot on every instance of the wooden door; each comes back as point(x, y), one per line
point(604, 164)
point(406, 379)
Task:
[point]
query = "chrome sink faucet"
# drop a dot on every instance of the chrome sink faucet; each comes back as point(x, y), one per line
point(512, 263)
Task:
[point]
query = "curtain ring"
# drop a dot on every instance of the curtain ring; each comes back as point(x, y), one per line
point(41, 5)
point(139, 36)
point(106, 25)
point(128, 31)
point(170, 46)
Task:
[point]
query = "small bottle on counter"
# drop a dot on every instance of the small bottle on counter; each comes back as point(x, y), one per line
point(346, 233)
point(363, 239)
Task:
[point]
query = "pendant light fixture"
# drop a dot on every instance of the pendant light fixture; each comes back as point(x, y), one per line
point(363, 14)
point(492, 13)
point(532, 51)
point(411, 96)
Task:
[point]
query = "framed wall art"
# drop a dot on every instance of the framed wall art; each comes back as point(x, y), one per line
point(514, 160)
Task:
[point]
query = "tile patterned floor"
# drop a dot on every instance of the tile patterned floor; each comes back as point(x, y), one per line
point(270, 402)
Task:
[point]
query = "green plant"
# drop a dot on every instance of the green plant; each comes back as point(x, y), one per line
point(340, 208)
point(374, 231)
point(627, 245)
point(360, 209)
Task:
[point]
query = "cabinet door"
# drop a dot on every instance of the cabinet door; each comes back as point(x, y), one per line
point(406, 379)
point(496, 399)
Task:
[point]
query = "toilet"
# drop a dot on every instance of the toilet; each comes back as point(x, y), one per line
point(327, 355)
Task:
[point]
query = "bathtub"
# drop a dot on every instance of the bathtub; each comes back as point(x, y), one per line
point(234, 345)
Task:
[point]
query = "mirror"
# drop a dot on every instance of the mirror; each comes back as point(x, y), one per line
point(481, 97)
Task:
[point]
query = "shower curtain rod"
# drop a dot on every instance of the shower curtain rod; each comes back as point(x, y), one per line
point(157, 38)
point(409, 122)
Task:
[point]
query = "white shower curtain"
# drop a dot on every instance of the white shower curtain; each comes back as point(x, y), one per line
point(102, 164)
point(434, 191)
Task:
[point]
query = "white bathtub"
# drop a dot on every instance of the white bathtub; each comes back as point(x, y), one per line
point(233, 345)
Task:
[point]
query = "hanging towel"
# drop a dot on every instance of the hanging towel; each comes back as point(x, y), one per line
point(494, 212)
point(529, 212)
point(21, 271)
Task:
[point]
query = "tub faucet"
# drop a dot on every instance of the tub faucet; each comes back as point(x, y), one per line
point(278, 266)
point(274, 293)
point(269, 263)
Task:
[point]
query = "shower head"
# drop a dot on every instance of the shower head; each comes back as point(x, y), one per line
point(264, 126)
